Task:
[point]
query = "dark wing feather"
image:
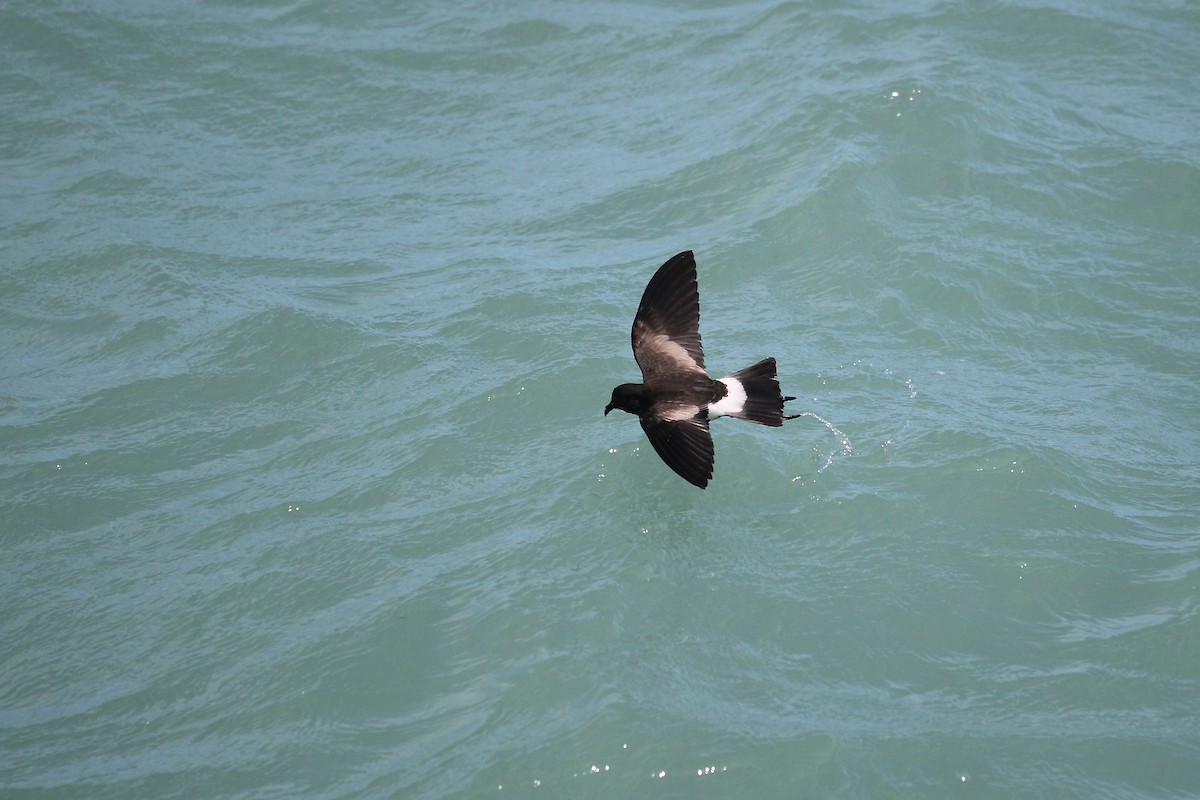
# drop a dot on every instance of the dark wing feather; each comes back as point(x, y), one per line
point(666, 328)
point(685, 445)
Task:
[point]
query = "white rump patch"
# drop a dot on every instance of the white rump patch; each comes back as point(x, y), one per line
point(732, 403)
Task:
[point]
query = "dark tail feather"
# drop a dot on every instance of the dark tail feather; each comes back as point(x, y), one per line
point(764, 401)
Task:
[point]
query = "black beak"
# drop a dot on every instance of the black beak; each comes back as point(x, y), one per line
point(607, 409)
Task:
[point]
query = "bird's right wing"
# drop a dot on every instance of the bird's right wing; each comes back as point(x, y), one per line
point(666, 328)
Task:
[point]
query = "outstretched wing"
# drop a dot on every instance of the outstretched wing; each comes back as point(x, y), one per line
point(685, 445)
point(666, 328)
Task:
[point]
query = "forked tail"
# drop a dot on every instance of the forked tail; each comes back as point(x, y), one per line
point(763, 400)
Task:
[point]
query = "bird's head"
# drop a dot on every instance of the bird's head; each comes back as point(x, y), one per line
point(627, 397)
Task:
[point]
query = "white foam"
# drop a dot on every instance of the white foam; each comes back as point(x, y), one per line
point(731, 403)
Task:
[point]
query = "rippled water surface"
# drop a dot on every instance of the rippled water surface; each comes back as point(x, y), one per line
point(309, 313)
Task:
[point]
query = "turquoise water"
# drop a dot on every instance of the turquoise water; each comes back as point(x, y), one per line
point(310, 311)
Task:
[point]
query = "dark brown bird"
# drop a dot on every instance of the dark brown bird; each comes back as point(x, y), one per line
point(676, 398)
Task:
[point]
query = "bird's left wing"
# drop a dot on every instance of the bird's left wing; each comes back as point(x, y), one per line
point(685, 445)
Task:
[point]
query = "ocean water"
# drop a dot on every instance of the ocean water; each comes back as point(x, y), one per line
point(309, 312)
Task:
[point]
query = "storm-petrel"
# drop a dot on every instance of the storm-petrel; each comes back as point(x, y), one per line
point(676, 398)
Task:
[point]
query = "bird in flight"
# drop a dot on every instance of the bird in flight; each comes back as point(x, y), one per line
point(676, 398)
